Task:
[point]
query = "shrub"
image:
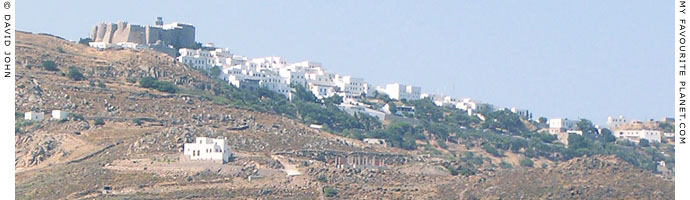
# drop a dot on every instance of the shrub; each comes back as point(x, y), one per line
point(59, 49)
point(49, 65)
point(491, 150)
point(75, 74)
point(137, 121)
point(147, 82)
point(330, 192)
point(505, 165)
point(163, 86)
point(101, 84)
point(526, 162)
point(322, 178)
point(99, 121)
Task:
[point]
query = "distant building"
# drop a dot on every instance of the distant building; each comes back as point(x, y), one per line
point(208, 149)
point(33, 116)
point(668, 120)
point(196, 58)
point(352, 109)
point(399, 91)
point(179, 35)
point(59, 114)
point(473, 107)
point(376, 141)
point(613, 122)
point(636, 135)
point(559, 125)
point(526, 114)
point(350, 87)
point(316, 126)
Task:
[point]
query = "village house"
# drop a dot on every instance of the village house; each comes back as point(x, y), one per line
point(59, 114)
point(207, 149)
point(560, 125)
point(376, 141)
point(637, 135)
point(399, 91)
point(33, 116)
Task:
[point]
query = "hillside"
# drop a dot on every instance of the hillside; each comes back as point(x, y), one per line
point(136, 150)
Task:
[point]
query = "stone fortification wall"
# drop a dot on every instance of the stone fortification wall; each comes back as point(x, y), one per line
point(178, 35)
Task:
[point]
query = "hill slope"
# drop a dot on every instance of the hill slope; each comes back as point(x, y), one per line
point(136, 150)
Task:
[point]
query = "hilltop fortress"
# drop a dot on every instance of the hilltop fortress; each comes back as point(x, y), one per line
point(179, 35)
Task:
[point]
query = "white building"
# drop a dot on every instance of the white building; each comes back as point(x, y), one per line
point(351, 109)
point(208, 149)
point(559, 125)
point(59, 114)
point(132, 45)
point(322, 91)
point(612, 122)
point(400, 91)
point(349, 86)
point(522, 113)
point(102, 45)
point(33, 116)
point(376, 141)
point(473, 107)
point(196, 58)
point(636, 135)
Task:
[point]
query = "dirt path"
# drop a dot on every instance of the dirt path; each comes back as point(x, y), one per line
point(290, 168)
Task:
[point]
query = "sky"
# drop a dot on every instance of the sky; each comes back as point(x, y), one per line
point(559, 59)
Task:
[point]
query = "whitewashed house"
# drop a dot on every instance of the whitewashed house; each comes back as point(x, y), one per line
point(196, 58)
point(349, 86)
point(399, 91)
point(636, 135)
point(59, 114)
point(613, 122)
point(208, 149)
point(33, 116)
point(560, 125)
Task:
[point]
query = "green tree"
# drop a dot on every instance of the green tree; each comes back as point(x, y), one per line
point(85, 41)
point(215, 71)
point(333, 100)
point(543, 120)
point(607, 136)
point(392, 107)
point(302, 94)
point(587, 128)
point(49, 65)
point(75, 74)
point(644, 143)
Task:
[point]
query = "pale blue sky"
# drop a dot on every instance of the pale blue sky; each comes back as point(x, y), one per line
point(572, 59)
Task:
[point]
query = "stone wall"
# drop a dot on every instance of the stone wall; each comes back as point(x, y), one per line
point(180, 35)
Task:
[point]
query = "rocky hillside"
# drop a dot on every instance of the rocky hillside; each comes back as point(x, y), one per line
point(124, 141)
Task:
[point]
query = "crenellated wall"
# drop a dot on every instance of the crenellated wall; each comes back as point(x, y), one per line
point(177, 34)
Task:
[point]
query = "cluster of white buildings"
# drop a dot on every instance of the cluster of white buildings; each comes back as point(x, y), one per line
point(620, 127)
point(38, 116)
point(273, 73)
point(276, 74)
point(634, 130)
